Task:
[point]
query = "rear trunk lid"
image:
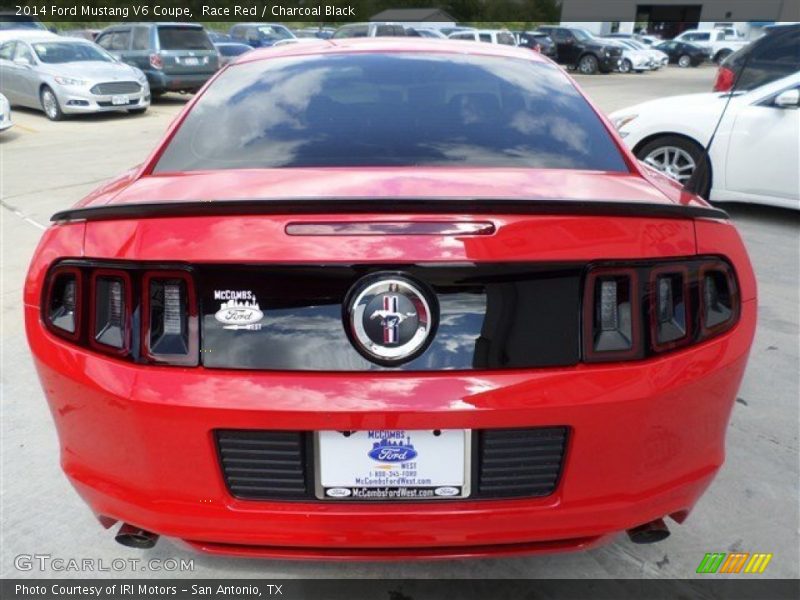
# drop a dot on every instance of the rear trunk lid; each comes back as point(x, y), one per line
point(186, 50)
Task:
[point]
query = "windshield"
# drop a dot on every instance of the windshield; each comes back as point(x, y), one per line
point(67, 52)
point(360, 109)
point(9, 23)
point(184, 38)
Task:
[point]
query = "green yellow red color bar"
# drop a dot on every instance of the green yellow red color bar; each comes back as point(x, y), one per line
point(720, 562)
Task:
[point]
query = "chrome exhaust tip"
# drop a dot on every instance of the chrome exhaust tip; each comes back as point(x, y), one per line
point(649, 533)
point(133, 537)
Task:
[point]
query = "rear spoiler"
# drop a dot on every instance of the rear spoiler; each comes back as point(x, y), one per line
point(299, 206)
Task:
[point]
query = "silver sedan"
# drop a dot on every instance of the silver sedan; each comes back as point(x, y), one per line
point(62, 76)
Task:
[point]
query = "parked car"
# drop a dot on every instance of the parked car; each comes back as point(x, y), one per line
point(490, 36)
point(217, 37)
point(539, 41)
point(579, 49)
point(175, 57)
point(373, 29)
point(429, 32)
point(63, 76)
point(228, 51)
point(5, 114)
point(718, 44)
point(683, 54)
point(772, 57)
point(12, 22)
point(259, 35)
point(86, 34)
point(322, 33)
point(755, 152)
point(270, 357)
point(634, 59)
point(659, 58)
point(649, 40)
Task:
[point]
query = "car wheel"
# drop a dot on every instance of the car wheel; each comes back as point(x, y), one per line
point(722, 55)
point(684, 61)
point(588, 64)
point(625, 66)
point(50, 104)
point(137, 111)
point(677, 157)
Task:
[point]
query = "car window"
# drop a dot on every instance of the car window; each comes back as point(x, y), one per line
point(463, 36)
point(400, 109)
point(24, 52)
point(384, 30)
point(141, 38)
point(506, 39)
point(7, 51)
point(273, 33)
point(121, 40)
point(352, 31)
point(104, 40)
point(485, 37)
point(780, 48)
point(183, 38)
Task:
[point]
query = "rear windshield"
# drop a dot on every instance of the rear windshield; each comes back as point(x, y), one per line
point(355, 110)
point(184, 38)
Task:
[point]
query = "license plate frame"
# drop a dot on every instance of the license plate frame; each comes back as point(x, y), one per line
point(394, 493)
point(191, 61)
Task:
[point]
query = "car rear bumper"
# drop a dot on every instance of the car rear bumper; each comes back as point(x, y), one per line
point(646, 439)
point(186, 82)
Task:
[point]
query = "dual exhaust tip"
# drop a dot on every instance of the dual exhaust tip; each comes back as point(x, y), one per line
point(135, 537)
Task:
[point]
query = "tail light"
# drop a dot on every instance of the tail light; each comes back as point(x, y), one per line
point(136, 314)
point(110, 329)
point(156, 61)
point(634, 311)
point(62, 305)
point(611, 324)
point(170, 330)
point(724, 80)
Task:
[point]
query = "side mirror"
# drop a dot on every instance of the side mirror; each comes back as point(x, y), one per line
point(788, 99)
point(22, 62)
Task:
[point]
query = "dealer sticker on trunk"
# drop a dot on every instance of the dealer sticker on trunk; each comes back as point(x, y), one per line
point(393, 464)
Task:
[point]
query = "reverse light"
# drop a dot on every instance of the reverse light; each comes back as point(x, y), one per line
point(170, 321)
point(719, 297)
point(111, 311)
point(669, 302)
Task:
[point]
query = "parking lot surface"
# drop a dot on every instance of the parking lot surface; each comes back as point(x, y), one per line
point(751, 507)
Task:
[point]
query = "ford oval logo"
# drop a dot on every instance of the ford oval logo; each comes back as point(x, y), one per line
point(338, 492)
point(392, 451)
point(446, 491)
point(238, 315)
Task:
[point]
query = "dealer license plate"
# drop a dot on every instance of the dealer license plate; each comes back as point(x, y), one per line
point(119, 100)
point(393, 464)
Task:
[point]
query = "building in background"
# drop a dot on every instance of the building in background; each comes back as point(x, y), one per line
point(416, 17)
point(668, 18)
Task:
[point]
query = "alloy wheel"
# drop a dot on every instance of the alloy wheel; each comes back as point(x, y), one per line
point(50, 104)
point(674, 162)
point(684, 61)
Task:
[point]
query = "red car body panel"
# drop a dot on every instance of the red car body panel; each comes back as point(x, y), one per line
point(646, 437)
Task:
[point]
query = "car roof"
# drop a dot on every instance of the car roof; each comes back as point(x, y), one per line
point(389, 45)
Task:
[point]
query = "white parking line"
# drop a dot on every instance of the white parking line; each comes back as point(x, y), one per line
point(22, 215)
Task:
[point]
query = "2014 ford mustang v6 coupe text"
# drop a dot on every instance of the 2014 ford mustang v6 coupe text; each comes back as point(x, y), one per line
point(390, 298)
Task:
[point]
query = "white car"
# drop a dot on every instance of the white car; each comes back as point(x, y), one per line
point(755, 153)
point(660, 58)
point(490, 36)
point(633, 59)
point(716, 41)
point(5, 114)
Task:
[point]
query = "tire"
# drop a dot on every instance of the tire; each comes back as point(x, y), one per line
point(664, 148)
point(137, 111)
point(588, 64)
point(625, 66)
point(722, 55)
point(50, 106)
point(684, 61)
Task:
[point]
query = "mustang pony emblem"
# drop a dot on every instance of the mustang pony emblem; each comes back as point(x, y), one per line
point(390, 319)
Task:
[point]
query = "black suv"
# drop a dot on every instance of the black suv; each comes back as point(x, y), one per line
point(772, 57)
point(176, 57)
point(579, 49)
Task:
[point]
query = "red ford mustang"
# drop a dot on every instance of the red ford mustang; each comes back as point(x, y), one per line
point(389, 299)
